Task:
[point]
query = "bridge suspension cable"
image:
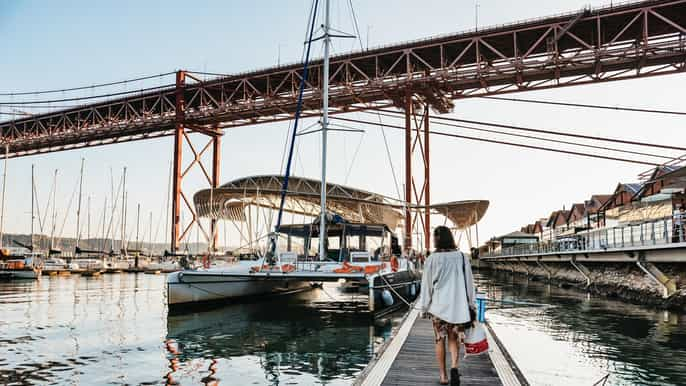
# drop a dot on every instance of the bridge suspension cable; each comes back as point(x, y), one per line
point(535, 147)
point(627, 151)
point(80, 88)
point(542, 131)
point(590, 106)
point(108, 95)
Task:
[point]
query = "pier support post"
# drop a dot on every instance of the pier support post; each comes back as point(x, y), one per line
point(371, 293)
point(583, 271)
point(548, 271)
point(667, 284)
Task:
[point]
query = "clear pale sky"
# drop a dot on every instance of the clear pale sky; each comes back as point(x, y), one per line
point(60, 44)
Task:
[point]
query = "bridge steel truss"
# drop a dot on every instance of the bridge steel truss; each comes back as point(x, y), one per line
point(625, 41)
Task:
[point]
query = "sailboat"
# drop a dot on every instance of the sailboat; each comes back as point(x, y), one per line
point(17, 262)
point(384, 273)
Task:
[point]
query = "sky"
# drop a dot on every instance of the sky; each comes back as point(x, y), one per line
point(59, 44)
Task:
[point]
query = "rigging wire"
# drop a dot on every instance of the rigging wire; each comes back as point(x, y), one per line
point(566, 134)
point(305, 51)
point(552, 140)
point(298, 111)
point(445, 134)
point(41, 92)
point(357, 27)
point(352, 161)
point(571, 104)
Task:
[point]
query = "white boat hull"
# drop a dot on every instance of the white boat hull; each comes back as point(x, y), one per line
point(22, 273)
point(207, 286)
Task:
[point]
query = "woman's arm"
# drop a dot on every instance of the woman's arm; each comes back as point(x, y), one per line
point(427, 287)
point(469, 277)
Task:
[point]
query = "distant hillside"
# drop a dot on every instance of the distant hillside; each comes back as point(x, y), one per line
point(67, 244)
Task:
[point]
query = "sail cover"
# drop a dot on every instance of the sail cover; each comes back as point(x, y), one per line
point(230, 200)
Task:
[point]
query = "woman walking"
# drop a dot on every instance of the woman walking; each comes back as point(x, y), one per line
point(447, 297)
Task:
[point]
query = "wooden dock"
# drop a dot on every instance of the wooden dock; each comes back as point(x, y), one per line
point(409, 359)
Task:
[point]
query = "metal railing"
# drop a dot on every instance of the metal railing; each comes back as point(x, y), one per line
point(635, 234)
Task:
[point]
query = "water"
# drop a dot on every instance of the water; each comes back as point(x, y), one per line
point(578, 339)
point(115, 330)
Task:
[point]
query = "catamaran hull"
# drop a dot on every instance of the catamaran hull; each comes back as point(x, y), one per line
point(390, 291)
point(185, 289)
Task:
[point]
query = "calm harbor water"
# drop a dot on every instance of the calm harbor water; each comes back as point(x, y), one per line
point(578, 339)
point(115, 330)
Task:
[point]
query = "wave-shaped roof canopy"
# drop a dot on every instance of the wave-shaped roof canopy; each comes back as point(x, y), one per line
point(230, 200)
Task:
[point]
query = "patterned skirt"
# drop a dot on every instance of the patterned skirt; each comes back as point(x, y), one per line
point(441, 328)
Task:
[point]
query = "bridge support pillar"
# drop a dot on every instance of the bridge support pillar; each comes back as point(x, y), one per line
point(182, 130)
point(417, 185)
point(666, 284)
point(583, 271)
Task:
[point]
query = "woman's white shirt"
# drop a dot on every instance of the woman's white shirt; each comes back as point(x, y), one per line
point(443, 291)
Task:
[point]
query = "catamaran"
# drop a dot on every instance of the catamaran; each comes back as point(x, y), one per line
point(354, 231)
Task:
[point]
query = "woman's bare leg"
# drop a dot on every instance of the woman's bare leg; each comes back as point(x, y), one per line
point(454, 348)
point(440, 357)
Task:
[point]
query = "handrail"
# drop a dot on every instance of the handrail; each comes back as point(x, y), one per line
point(637, 234)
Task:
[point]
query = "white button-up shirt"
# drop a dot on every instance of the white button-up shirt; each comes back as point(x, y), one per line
point(444, 294)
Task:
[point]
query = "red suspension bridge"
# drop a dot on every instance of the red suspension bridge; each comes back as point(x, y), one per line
point(625, 41)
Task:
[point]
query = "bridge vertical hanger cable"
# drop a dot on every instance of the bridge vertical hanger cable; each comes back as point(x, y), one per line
point(298, 110)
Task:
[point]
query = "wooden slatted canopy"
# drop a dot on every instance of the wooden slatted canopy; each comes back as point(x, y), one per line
point(230, 200)
point(462, 213)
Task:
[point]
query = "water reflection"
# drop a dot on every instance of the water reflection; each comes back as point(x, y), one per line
point(580, 338)
point(277, 342)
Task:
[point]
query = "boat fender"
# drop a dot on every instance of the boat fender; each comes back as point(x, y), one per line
point(394, 263)
point(387, 298)
point(413, 290)
point(180, 277)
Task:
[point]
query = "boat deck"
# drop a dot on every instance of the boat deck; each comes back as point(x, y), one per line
point(409, 359)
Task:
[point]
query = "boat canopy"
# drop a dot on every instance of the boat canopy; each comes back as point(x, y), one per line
point(334, 230)
point(355, 205)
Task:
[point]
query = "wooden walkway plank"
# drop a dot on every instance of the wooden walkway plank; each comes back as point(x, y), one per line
point(415, 364)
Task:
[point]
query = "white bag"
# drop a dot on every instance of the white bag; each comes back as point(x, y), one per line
point(475, 341)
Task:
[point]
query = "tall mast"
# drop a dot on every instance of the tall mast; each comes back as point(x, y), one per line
point(104, 220)
point(88, 220)
point(4, 185)
point(78, 209)
point(123, 212)
point(150, 234)
point(325, 125)
point(54, 212)
point(138, 224)
point(32, 203)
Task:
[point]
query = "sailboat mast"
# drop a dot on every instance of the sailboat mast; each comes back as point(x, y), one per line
point(325, 126)
point(33, 167)
point(123, 212)
point(78, 209)
point(88, 220)
point(54, 211)
point(104, 214)
point(150, 233)
point(4, 185)
point(138, 224)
